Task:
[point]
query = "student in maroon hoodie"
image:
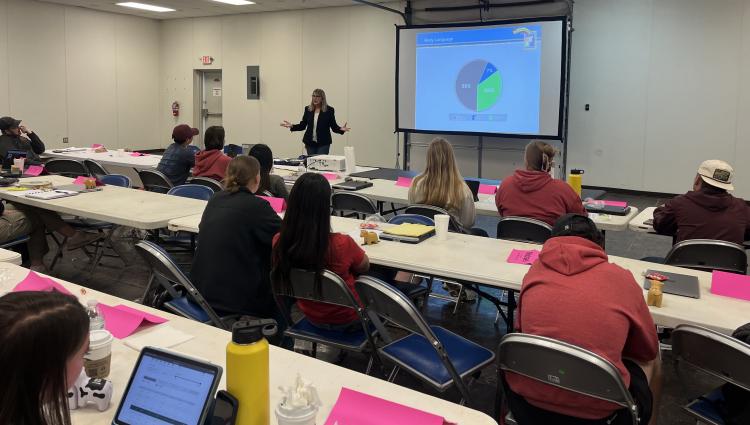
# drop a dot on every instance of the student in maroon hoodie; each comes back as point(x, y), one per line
point(212, 162)
point(573, 276)
point(533, 193)
point(708, 211)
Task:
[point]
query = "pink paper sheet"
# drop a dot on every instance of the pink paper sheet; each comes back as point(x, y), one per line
point(404, 181)
point(523, 256)
point(487, 189)
point(278, 204)
point(356, 408)
point(138, 154)
point(331, 176)
point(82, 180)
point(122, 321)
point(730, 285)
point(35, 282)
point(97, 145)
point(34, 170)
point(622, 204)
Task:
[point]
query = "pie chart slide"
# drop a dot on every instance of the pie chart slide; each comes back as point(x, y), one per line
point(479, 85)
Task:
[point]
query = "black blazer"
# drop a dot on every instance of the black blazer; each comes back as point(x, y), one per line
point(232, 263)
point(326, 120)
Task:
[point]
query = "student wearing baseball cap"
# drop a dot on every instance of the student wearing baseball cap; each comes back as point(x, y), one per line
point(16, 137)
point(709, 211)
point(178, 159)
point(572, 293)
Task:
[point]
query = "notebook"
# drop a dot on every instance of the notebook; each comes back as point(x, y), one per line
point(170, 388)
point(49, 194)
point(678, 284)
point(408, 232)
point(352, 185)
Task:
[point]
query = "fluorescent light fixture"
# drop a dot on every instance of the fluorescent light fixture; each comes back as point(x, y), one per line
point(235, 2)
point(144, 6)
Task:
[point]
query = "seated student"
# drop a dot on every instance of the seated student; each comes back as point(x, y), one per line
point(306, 241)
point(441, 184)
point(44, 338)
point(573, 271)
point(18, 220)
point(708, 211)
point(271, 183)
point(212, 162)
point(178, 159)
point(233, 260)
point(533, 193)
point(15, 137)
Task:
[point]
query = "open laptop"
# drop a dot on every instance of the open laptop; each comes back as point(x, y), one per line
point(168, 388)
point(678, 284)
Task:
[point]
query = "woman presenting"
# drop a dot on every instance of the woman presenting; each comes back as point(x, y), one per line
point(317, 119)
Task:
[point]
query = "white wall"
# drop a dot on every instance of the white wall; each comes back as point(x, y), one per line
point(347, 51)
point(664, 79)
point(72, 72)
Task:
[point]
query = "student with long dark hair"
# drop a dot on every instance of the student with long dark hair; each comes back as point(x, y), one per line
point(270, 183)
point(44, 337)
point(211, 162)
point(306, 242)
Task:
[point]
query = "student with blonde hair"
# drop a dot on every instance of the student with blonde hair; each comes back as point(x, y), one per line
point(233, 260)
point(318, 120)
point(533, 193)
point(441, 184)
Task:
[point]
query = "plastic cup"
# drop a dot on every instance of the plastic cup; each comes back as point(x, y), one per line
point(120, 152)
point(441, 226)
point(19, 163)
point(300, 416)
point(98, 359)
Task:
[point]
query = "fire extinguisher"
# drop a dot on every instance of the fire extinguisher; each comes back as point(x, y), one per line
point(175, 109)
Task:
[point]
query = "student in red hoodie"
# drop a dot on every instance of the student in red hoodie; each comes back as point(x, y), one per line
point(708, 211)
point(533, 193)
point(212, 162)
point(573, 271)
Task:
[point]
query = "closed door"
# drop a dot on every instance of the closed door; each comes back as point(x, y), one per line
point(211, 102)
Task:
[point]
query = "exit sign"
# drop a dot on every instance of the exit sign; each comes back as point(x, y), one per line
point(207, 60)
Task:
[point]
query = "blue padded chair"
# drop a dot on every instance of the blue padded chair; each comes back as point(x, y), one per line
point(412, 219)
point(194, 191)
point(559, 364)
point(231, 150)
point(116, 180)
point(334, 291)
point(433, 354)
point(184, 298)
point(716, 354)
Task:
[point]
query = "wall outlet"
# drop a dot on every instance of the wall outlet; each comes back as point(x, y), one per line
point(65, 140)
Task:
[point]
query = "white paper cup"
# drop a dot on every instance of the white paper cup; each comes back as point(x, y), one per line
point(303, 416)
point(97, 360)
point(441, 226)
point(120, 152)
point(19, 162)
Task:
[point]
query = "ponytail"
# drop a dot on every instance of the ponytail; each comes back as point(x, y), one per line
point(539, 156)
point(240, 171)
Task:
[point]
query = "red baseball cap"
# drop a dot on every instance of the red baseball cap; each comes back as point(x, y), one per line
point(183, 132)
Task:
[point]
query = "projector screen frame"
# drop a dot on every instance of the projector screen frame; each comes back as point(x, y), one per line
point(562, 108)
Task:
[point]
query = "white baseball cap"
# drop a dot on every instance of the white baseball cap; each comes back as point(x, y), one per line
point(717, 173)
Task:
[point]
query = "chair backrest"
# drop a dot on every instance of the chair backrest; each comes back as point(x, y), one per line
point(194, 191)
point(342, 201)
point(215, 185)
point(66, 167)
point(386, 301)
point(95, 169)
point(412, 219)
point(166, 272)
point(430, 211)
point(116, 180)
point(708, 255)
point(155, 181)
point(231, 150)
point(564, 366)
point(717, 354)
point(523, 229)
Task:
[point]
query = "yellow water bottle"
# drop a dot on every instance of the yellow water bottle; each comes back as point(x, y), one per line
point(247, 372)
point(574, 180)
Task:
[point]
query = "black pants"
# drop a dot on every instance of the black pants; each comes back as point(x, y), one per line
point(527, 414)
point(316, 149)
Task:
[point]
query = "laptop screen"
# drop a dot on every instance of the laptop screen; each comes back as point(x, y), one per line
point(167, 389)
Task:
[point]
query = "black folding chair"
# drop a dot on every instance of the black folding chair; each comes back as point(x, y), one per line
point(155, 181)
point(708, 255)
point(95, 169)
point(66, 167)
point(352, 204)
point(523, 229)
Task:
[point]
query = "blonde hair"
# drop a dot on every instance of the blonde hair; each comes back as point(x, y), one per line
point(441, 183)
point(240, 171)
point(539, 156)
point(323, 102)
